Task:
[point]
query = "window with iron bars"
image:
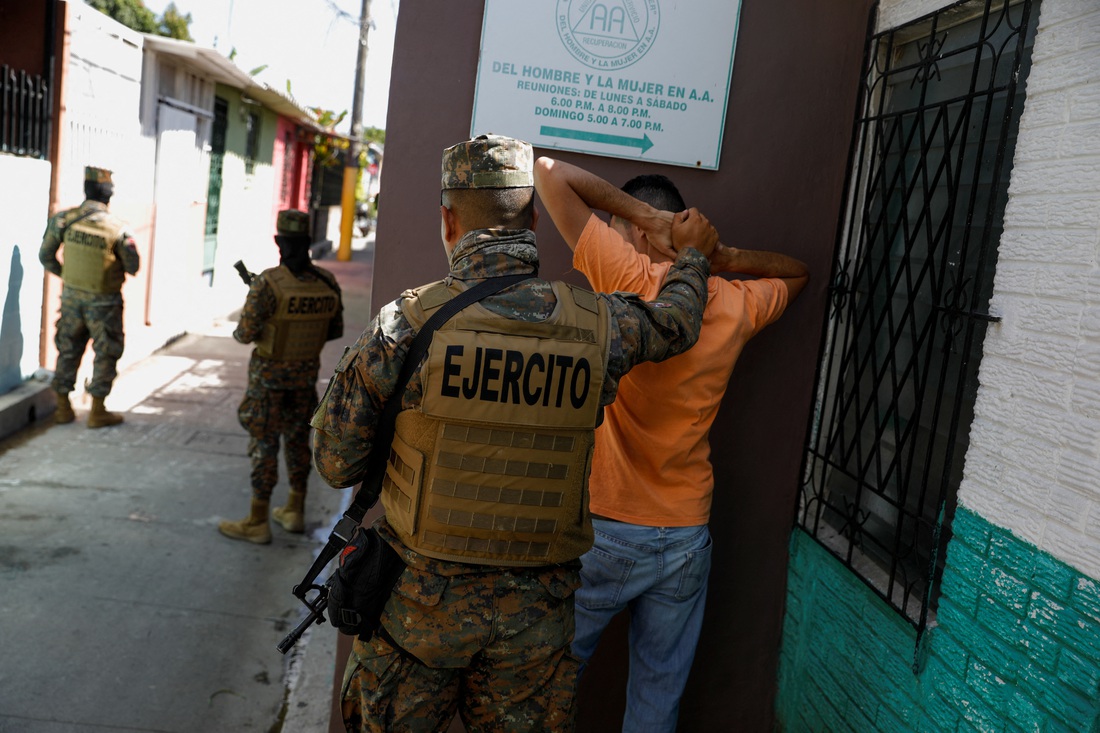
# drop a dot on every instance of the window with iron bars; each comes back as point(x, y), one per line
point(24, 113)
point(252, 143)
point(917, 246)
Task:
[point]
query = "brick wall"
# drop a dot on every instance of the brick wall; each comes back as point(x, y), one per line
point(1015, 646)
point(1034, 459)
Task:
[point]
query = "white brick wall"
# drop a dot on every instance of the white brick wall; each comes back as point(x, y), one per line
point(892, 13)
point(1034, 459)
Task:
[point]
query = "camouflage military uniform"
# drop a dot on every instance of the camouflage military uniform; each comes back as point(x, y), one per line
point(84, 314)
point(281, 395)
point(490, 642)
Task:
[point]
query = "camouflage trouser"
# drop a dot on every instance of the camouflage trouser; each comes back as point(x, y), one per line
point(268, 414)
point(83, 317)
point(492, 646)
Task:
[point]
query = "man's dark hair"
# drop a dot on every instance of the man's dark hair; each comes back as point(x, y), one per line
point(485, 208)
point(101, 192)
point(657, 191)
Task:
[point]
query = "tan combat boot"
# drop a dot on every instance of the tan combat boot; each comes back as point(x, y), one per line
point(99, 417)
point(253, 528)
point(292, 516)
point(64, 412)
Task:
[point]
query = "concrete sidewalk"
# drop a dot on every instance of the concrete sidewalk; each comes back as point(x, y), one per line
point(122, 607)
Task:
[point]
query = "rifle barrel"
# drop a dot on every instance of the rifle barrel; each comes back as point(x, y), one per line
point(316, 615)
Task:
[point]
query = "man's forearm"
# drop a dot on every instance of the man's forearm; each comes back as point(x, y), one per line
point(758, 263)
point(598, 194)
point(601, 195)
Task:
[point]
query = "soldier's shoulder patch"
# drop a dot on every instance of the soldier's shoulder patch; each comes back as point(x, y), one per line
point(424, 290)
point(584, 298)
point(62, 219)
point(416, 304)
point(434, 295)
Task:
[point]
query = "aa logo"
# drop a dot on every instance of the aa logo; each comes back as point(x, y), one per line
point(608, 34)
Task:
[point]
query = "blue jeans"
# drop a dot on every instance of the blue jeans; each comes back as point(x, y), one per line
point(660, 574)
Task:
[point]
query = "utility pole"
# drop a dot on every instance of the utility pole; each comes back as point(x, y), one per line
point(351, 162)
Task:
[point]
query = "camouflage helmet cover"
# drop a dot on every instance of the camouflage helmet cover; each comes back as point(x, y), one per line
point(97, 175)
point(292, 222)
point(488, 161)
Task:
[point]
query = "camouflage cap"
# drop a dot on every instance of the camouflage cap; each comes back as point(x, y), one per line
point(488, 161)
point(292, 221)
point(97, 175)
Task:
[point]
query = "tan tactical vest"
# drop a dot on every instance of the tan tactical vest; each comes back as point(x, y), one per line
point(298, 329)
point(89, 261)
point(493, 467)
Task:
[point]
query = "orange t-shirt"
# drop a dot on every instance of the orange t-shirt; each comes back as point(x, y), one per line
point(652, 461)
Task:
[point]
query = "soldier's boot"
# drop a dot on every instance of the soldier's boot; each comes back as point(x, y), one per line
point(64, 412)
point(253, 528)
point(292, 516)
point(99, 417)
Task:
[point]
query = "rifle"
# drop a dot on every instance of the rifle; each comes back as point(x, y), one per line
point(246, 276)
point(371, 488)
point(337, 541)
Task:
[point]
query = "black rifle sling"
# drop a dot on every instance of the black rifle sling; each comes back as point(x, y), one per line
point(371, 487)
point(85, 215)
point(368, 492)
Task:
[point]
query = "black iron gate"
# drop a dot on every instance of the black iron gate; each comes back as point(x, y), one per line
point(912, 282)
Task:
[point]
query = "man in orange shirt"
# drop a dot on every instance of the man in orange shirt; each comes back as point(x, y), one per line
point(652, 480)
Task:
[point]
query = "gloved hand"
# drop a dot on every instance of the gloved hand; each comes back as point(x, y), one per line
point(358, 590)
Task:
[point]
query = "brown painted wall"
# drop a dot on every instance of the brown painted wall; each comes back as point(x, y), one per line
point(23, 35)
point(779, 187)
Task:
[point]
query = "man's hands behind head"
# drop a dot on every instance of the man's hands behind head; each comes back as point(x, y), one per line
point(691, 229)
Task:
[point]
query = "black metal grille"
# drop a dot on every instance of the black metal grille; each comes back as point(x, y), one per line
point(24, 114)
point(917, 246)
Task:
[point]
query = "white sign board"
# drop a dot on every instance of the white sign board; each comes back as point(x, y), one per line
point(640, 79)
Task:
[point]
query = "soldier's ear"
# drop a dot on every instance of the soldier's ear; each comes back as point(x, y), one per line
point(448, 227)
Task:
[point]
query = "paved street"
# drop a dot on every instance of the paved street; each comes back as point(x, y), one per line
point(122, 607)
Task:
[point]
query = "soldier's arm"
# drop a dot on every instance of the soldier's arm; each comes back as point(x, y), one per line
point(346, 420)
point(258, 309)
point(570, 193)
point(51, 242)
point(126, 251)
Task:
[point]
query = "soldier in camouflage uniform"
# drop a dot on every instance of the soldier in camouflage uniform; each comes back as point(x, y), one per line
point(290, 312)
point(97, 253)
point(486, 489)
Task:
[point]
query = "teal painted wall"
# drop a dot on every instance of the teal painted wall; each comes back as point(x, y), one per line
point(1015, 647)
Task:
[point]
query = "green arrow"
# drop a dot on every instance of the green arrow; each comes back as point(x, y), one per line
point(642, 142)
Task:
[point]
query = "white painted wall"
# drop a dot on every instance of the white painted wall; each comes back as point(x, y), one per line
point(102, 97)
point(100, 125)
point(1034, 459)
point(24, 208)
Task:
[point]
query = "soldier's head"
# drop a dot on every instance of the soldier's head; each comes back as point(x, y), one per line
point(98, 185)
point(487, 183)
point(292, 235)
point(659, 192)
